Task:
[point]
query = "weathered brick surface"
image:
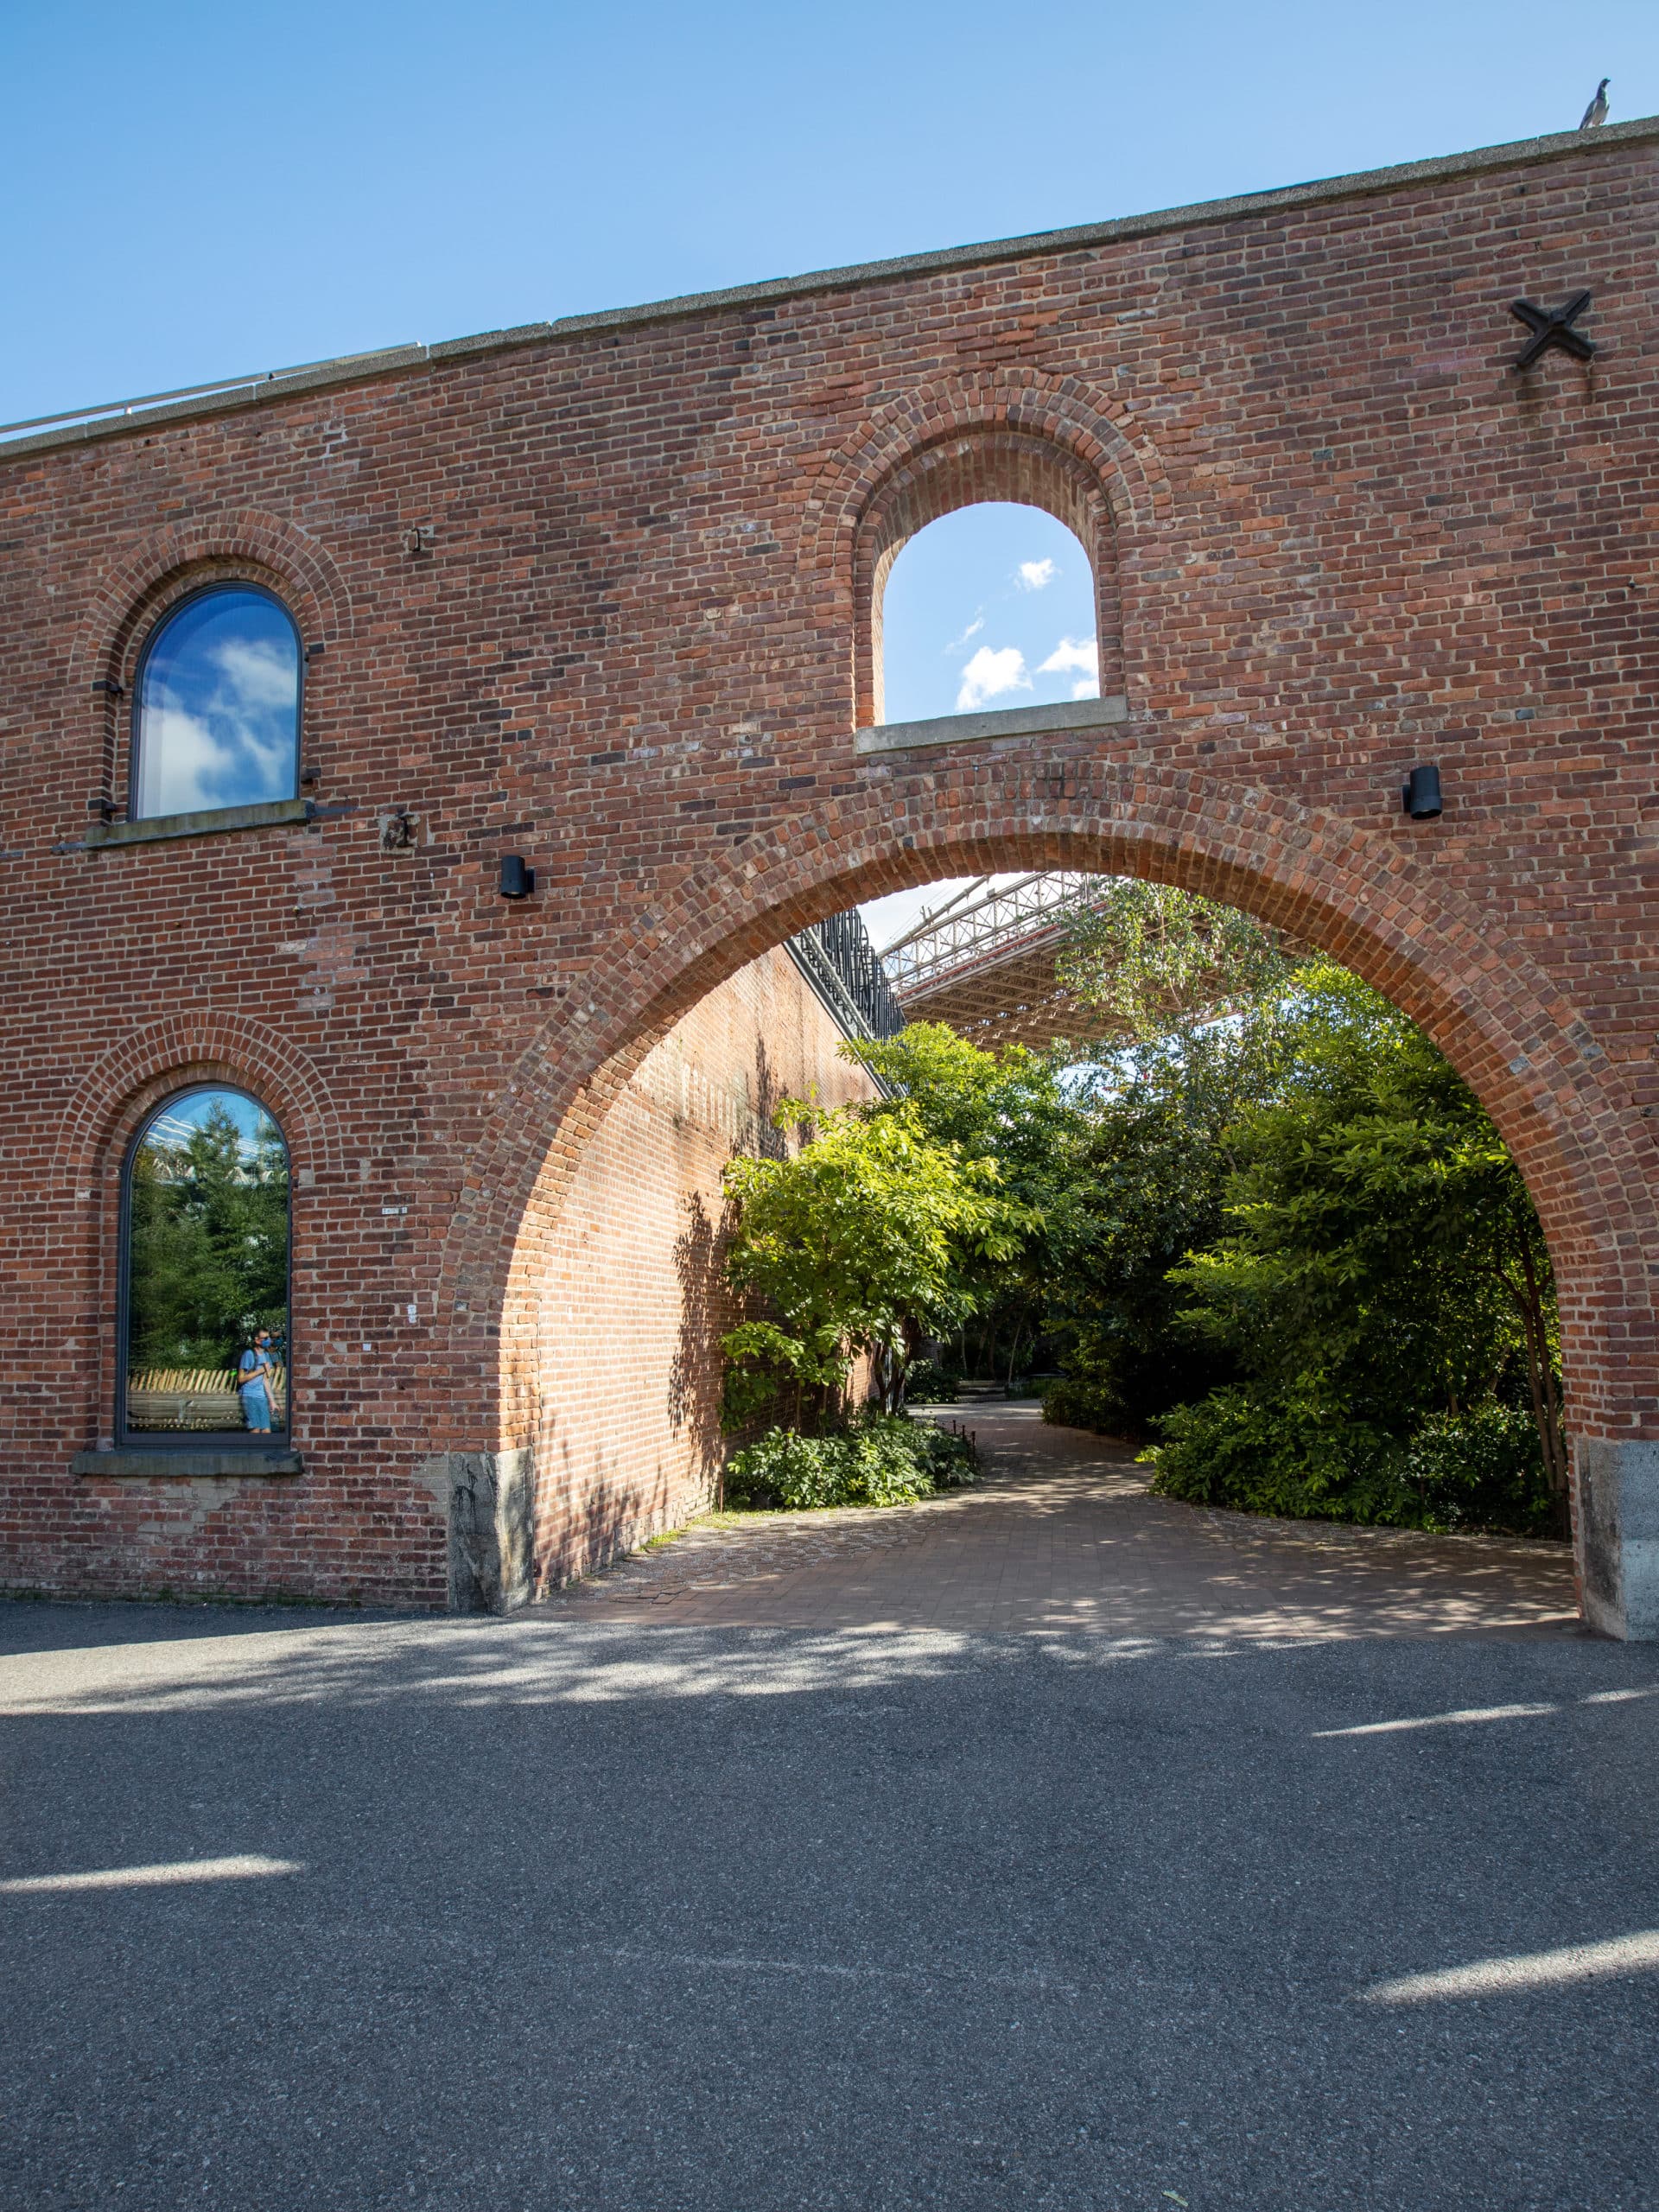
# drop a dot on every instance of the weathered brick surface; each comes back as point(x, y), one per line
point(1334, 532)
point(629, 1304)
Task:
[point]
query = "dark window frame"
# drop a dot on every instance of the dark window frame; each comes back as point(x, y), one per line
point(158, 630)
point(193, 1440)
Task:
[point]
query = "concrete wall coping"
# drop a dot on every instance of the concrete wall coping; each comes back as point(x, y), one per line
point(1287, 198)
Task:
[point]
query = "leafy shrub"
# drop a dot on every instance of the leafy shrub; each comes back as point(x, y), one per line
point(1301, 1456)
point(926, 1384)
point(1083, 1402)
point(878, 1459)
point(1483, 1469)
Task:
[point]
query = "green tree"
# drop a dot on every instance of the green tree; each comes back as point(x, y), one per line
point(1146, 1182)
point(1190, 996)
point(1151, 960)
point(1381, 1257)
point(208, 1250)
point(867, 1239)
point(1010, 1107)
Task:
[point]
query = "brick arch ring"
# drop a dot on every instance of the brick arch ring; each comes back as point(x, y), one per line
point(1061, 412)
point(1498, 1016)
point(276, 549)
point(175, 1054)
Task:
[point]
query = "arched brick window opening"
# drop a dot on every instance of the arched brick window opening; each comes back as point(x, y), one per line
point(216, 705)
point(992, 606)
point(991, 469)
point(203, 1328)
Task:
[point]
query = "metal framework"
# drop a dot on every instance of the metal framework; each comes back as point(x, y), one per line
point(842, 966)
point(984, 961)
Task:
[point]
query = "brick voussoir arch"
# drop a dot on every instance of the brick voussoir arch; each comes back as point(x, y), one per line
point(1062, 412)
point(180, 1050)
point(117, 602)
point(1498, 1017)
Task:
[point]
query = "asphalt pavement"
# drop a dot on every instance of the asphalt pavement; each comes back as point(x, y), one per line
point(603, 1909)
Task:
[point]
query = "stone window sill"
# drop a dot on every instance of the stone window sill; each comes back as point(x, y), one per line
point(208, 823)
point(199, 1459)
point(1002, 721)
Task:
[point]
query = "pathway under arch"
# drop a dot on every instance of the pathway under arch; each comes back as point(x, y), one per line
point(1359, 896)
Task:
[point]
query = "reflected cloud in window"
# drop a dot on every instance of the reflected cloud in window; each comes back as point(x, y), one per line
point(218, 706)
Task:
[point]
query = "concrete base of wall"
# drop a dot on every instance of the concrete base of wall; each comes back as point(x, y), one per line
point(1619, 1538)
point(489, 1500)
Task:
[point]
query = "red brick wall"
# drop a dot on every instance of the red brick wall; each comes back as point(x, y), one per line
point(1336, 533)
point(627, 1384)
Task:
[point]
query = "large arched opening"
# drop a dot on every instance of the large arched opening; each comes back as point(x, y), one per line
point(1357, 895)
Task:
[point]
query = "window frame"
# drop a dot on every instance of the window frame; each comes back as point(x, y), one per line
point(193, 1439)
point(157, 630)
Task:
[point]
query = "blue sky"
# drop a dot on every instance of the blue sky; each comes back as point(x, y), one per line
point(199, 190)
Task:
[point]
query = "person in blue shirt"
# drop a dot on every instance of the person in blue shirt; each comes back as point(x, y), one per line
point(254, 1382)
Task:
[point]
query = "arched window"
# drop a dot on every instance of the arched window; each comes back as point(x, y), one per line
point(991, 606)
point(216, 718)
point(204, 1249)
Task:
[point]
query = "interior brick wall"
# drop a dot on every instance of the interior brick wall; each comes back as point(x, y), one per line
point(598, 593)
point(634, 1299)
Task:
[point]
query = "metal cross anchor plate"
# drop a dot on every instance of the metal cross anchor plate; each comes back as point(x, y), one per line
point(1553, 326)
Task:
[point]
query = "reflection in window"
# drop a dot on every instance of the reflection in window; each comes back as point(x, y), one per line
point(206, 1269)
point(217, 716)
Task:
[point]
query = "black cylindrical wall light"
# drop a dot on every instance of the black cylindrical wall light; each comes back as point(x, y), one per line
point(1419, 794)
point(518, 881)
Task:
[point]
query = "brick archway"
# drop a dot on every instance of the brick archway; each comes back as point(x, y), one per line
point(1361, 896)
point(590, 593)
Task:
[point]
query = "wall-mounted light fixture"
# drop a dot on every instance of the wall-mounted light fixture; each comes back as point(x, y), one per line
point(1419, 795)
point(518, 881)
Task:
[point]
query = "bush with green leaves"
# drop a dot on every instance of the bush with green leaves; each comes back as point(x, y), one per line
point(1301, 1456)
point(877, 1460)
point(1084, 1398)
point(869, 1240)
point(926, 1383)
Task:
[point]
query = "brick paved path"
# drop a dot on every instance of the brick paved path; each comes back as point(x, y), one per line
point(1063, 1535)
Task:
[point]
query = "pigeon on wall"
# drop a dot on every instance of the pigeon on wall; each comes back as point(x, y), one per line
point(1596, 113)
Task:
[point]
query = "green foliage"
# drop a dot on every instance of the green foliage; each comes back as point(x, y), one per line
point(870, 1238)
point(877, 1460)
point(1379, 1235)
point(208, 1255)
point(1149, 1172)
point(1090, 1395)
point(1151, 960)
point(928, 1385)
point(1012, 1109)
point(1301, 1455)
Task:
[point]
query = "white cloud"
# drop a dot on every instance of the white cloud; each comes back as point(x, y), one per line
point(260, 675)
point(1073, 657)
point(1035, 575)
point(989, 674)
point(1086, 687)
point(972, 631)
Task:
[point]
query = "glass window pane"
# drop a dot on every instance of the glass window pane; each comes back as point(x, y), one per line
point(219, 704)
point(207, 1270)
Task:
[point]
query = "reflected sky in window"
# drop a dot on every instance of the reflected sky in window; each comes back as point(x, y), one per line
point(219, 707)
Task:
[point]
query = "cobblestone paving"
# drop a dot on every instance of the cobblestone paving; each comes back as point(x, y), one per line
point(1062, 1534)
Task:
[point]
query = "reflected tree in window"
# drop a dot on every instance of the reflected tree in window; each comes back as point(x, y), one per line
point(207, 1232)
point(218, 717)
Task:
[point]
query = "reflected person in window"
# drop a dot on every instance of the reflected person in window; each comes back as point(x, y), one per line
point(256, 1384)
